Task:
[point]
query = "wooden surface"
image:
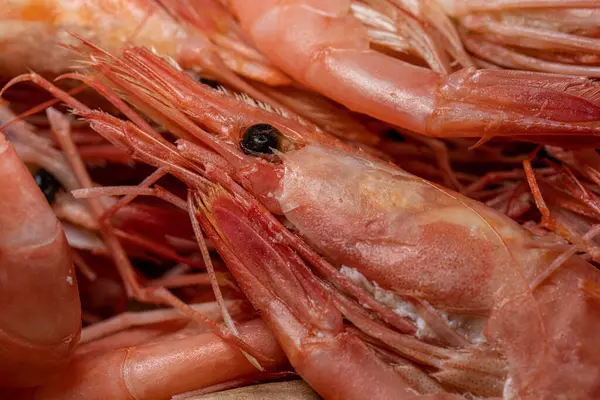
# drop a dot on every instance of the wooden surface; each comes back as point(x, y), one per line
point(291, 390)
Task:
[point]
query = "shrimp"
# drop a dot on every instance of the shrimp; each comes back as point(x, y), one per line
point(328, 51)
point(41, 35)
point(439, 292)
point(41, 315)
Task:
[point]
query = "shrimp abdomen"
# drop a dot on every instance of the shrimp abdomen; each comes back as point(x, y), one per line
point(162, 369)
point(40, 320)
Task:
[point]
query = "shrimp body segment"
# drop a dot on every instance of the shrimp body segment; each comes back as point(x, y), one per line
point(160, 369)
point(328, 50)
point(40, 321)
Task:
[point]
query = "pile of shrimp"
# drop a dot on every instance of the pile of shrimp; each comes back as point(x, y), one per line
point(342, 199)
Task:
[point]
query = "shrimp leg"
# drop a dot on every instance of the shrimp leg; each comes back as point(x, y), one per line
point(328, 50)
point(40, 322)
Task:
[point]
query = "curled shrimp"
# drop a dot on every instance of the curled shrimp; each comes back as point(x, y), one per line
point(41, 315)
point(328, 50)
point(440, 293)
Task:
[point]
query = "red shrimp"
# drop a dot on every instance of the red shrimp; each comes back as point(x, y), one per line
point(440, 292)
point(328, 50)
point(41, 35)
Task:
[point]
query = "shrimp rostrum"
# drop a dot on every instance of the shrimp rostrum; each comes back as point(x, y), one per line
point(376, 283)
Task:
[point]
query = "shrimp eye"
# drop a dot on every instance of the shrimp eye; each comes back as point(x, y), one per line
point(209, 82)
point(260, 139)
point(47, 184)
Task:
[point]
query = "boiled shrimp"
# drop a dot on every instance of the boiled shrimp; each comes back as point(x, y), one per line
point(41, 314)
point(41, 35)
point(328, 50)
point(442, 293)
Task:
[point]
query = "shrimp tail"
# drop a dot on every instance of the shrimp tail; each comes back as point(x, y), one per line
point(533, 106)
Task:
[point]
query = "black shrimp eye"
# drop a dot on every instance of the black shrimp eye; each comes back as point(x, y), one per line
point(393, 135)
point(47, 184)
point(209, 82)
point(260, 139)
